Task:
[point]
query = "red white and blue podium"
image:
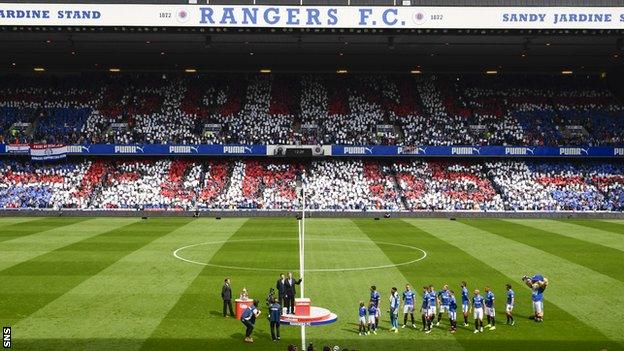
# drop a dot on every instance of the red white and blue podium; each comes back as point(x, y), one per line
point(308, 315)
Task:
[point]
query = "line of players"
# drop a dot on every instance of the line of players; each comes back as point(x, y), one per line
point(444, 301)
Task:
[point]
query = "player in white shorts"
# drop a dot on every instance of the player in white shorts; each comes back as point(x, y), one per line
point(443, 300)
point(465, 299)
point(477, 308)
point(362, 319)
point(372, 320)
point(511, 300)
point(453, 311)
point(408, 305)
point(424, 309)
point(490, 309)
point(376, 297)
point(431, 312)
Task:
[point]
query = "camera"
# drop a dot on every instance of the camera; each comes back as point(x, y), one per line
point(270, 296)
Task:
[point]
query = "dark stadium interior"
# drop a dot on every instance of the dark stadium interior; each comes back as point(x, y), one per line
point(172, 49)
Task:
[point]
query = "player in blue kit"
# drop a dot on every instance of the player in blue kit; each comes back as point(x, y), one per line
point(477, 308)
point(424, 309)
point(465, 302)
point(511, 300)
point(362, 319)
point(444, 298)
point(408, 305)
point(375, 298)
point(490, 310)
point(452, 311)
point(372, 313)
point(433, 297)
point(395, 303)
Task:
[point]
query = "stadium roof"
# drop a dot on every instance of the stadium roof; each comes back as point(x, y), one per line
point(300, 49)
point(292, 50)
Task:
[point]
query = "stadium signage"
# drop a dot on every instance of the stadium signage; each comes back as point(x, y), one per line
point(44, 152)
point(357, 17)
point(519, 151)
point(51, 151)
point(237, 149)
point(465, 150)
point(128, 149)
point(412, 150)
point(357, 150)
point(481, 151)
point(17, 149)
point(182, 149)
point(573, 151)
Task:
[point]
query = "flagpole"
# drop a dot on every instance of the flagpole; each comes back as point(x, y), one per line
point(302, 258)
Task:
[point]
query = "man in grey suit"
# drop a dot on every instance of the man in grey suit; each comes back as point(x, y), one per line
point(226, 295)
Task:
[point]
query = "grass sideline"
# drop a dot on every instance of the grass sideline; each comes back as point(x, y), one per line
point(113, 283)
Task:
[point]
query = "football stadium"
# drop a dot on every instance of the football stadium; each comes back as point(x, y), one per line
point(312, 175)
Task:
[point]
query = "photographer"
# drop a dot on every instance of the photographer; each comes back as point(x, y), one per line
point(249, 320)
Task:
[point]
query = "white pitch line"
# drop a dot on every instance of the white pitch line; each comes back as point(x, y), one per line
point(424, 255)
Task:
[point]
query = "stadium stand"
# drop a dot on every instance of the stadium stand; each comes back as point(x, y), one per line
point(373, 109)
point(337, 185)
point(311, 109)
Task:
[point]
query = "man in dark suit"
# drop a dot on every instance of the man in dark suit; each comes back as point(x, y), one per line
point(291, 292)
point(226, 295)
point(280, 286)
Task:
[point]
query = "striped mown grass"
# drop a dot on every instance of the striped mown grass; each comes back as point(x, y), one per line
point(114, 284)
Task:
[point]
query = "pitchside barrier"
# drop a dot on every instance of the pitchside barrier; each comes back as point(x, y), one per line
point(311, 214)
point(55, 151)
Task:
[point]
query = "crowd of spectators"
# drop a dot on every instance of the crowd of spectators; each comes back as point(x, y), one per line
point(559, 186)
point(31, 185)
point(331, 185)
point(311, 109)
point(446, 186)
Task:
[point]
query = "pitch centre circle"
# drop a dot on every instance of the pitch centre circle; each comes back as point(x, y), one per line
point(422, 255)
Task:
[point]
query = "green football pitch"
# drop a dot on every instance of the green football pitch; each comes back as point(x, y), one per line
point(114, 283)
